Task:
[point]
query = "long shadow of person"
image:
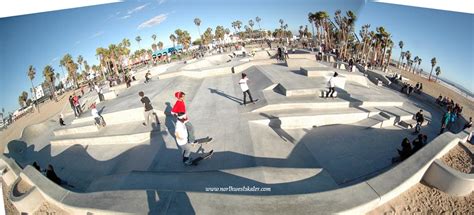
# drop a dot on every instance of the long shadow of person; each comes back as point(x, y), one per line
point(169, 119)
point(221, 93)
point(275, 124)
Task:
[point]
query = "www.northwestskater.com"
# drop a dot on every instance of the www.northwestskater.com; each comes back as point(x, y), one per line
point(238, 189)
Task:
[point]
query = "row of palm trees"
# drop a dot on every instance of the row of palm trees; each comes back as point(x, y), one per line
point(374, 47)
point(371, 46)
point(49, 81)
point(416, 61)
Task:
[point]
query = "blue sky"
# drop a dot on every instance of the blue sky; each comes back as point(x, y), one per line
point(42, 39)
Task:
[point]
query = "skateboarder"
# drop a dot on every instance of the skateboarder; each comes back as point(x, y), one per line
point(180, 107)
point(419, 121)
point(148, 112)
point(98, 119)
point(147, 76)
point(332, 85)
point(182, 138)
point(245, 88)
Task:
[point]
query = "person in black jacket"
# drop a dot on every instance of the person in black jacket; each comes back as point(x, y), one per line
point(406, 149)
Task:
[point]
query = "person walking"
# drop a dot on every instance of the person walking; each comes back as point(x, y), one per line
point(100, 93)
point(148, 109)
point(419, 121)
point(332, 85)
point(245, 88)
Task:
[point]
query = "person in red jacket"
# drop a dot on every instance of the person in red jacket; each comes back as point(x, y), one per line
point(180, 107)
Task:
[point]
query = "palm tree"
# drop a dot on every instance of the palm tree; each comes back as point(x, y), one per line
point(173, 39)
point(438, 72)
point(197, 22)
point(408, 56)
point(419, 62)
point(48, 73)
point(257, 19)
point(71, 67)
point(138, 39)
point(160, 45)
point(57, 76)
point(219, 33)
point(251, 23)
point(154, 38)
point(80, 59)
point(415, 61)
point(433, 64)
point(400, 44)
point(31, 75)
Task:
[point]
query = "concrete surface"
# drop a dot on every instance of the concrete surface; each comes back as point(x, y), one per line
point(313, 150)
point(449, 180)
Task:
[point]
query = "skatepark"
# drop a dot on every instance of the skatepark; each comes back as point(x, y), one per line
point(303, 152)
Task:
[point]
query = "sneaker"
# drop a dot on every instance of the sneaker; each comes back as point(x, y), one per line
point(188, 162)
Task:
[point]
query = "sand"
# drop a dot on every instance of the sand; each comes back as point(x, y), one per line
point(423, 199)
point(9, 207)
point(460, 158)
point(435, 89)
point(49, 109)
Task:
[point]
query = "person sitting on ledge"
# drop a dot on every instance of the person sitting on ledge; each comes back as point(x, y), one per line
point(406, 149)
point(36, 166)
point(419, 142)
point(51, 175)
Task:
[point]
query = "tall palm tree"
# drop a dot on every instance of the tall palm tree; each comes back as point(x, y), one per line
point(48, 73)
point(71, 67)
point(258, 19)
point(433, 64)
point(160, 45)
point(31, 75)
point(419, 62)
point(251, 23)
point(400, 44)
point(57, 76)
point(154, 38)
point(415, 61)
point(438, 72)
point(80, 59)
point(197, 22)
point(173, 39)
point(138, 39)
point(408, 56)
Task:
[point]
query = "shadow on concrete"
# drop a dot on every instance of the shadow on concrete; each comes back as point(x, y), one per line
point(275, 124)
point(223, 94)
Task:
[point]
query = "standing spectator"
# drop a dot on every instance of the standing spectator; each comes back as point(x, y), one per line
point(445, 120)
point(77, 105)
point(71, 102)
point(147, 76)
point(148, 109)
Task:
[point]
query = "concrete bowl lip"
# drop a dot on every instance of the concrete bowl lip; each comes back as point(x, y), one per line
point(454, 172)
point(22, 196)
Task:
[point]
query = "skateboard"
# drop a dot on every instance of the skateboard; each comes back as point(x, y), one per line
point(201, 141)
point(254, 101)
point(196, 161)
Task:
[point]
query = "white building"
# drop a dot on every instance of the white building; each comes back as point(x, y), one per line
point(39, 92)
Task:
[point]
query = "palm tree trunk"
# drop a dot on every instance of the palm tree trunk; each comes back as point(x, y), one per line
point(429, 78)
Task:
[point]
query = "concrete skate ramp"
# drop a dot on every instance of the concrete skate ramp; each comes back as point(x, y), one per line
point(124, 116)
point(207, 62)
point(297, 63)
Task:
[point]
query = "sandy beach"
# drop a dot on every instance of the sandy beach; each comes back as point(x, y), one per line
point(423, 199)
point(435, 89)
point(48, 110)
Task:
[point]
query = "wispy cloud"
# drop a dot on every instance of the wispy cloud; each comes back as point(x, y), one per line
point(139, 8)
point(98, 34)
point(54, 60)
point(77, 42)
point(125, 17)
point(153, 21)
point(161, 1)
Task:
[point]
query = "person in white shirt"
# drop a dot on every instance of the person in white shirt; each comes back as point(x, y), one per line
point(99, 121)
point(332, 85)
point(245, 88)
point(181, 134)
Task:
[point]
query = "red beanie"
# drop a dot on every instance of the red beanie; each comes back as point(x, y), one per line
point(178, 94)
